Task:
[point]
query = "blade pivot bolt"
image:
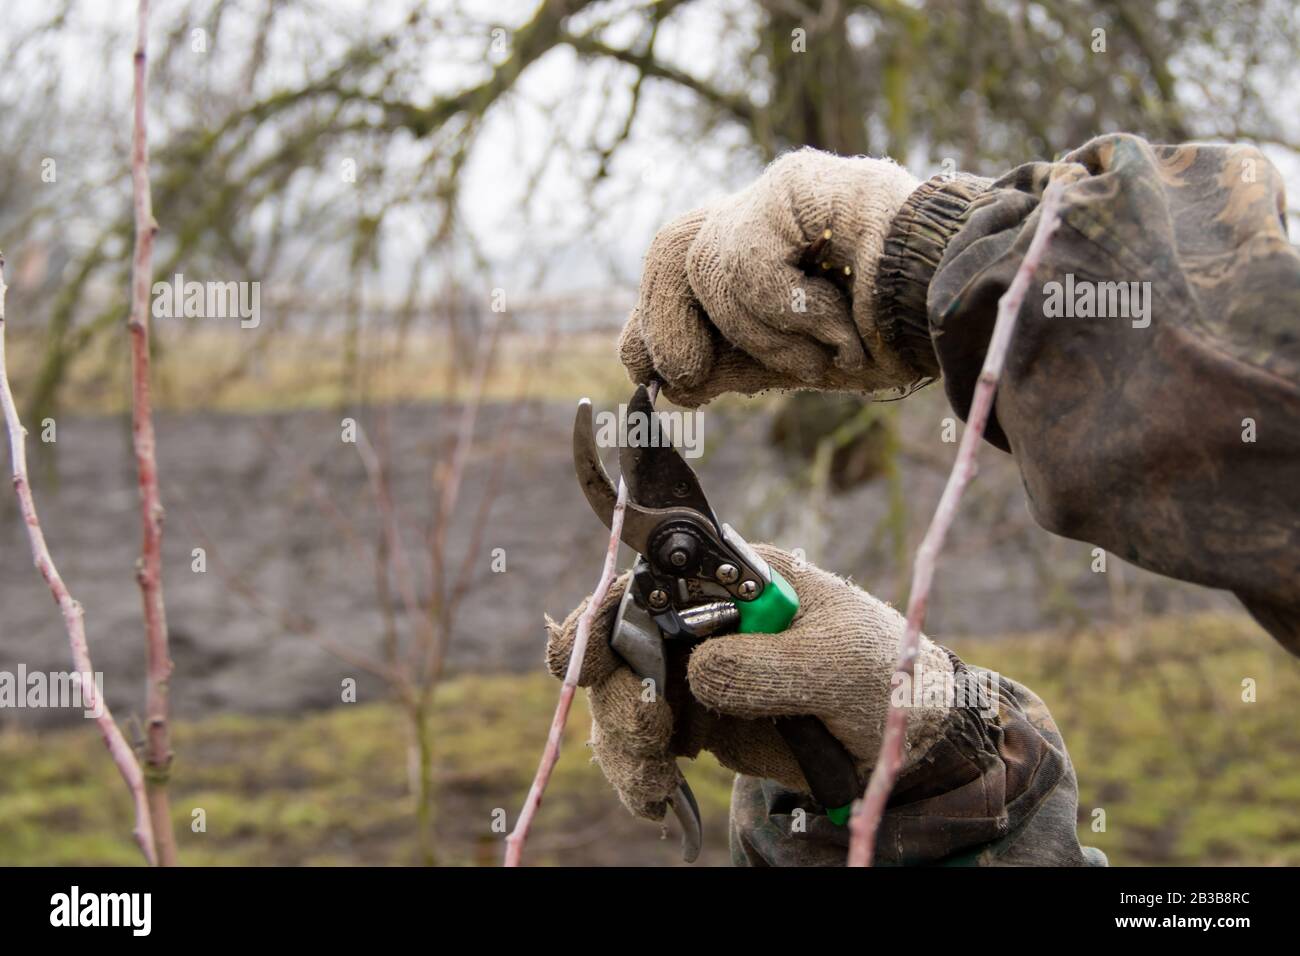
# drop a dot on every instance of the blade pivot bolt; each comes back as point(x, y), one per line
point(678, 550)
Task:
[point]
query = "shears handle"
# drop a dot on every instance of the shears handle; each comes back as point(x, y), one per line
point(826, 765)
point(772, 611)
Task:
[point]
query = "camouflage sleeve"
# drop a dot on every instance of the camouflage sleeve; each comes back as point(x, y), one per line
point(997, 790)
point(1151, 395)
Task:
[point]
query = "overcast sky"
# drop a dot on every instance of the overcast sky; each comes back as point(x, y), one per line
point(659, 172)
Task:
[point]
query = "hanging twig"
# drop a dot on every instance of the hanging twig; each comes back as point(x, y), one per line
point(869, 811)
point(519, 836)
point(392, 546)
point(448, 479)
point(158, 752)
point(73, 615)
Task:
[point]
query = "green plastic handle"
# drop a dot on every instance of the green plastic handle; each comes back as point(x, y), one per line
point(772, 611)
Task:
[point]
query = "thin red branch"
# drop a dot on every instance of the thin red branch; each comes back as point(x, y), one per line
point(324, 501)
point(393, 547)
point(73, 615)
point(871, 809)
point(551, 754)
point(288, 620)
point(448, 479)
point(492, 487)
point(158, 752)
point(519, 836)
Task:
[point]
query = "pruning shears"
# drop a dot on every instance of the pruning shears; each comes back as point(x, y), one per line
point(695, 578)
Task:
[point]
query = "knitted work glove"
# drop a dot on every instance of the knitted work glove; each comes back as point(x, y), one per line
point(834, 661)
point(725, 306)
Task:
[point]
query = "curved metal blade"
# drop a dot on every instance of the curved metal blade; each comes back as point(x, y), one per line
point(598, 488)
point(596, 483)
point(656, 475)
point(687, 812)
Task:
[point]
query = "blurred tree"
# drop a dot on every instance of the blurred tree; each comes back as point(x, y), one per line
point(275, 109)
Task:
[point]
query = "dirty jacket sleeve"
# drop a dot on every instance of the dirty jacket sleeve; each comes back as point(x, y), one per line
point(1151, 394)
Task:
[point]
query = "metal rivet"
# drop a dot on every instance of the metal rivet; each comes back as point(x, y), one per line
point(658, 598)
point(728, 573)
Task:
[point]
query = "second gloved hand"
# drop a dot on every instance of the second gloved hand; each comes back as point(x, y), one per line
point(724, 305)
point(835, 662)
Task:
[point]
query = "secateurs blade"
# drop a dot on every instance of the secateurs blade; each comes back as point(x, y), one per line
point(694, 578)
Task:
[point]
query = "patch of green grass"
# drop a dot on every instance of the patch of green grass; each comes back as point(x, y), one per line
point(1185, 770)
point(1153, 715)
point(332, 788)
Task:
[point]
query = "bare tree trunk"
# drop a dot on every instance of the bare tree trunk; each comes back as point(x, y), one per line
point(424, 783)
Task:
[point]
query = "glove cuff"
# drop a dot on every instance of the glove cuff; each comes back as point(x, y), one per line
point(913, 248)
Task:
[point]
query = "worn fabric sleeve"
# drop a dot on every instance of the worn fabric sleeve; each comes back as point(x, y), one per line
point(1151, 395)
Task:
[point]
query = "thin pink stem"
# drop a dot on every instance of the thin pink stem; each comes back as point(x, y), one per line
point(158, 752)
point(73, 615)
point(449, 482)
point(519, 836)
point(871, 809)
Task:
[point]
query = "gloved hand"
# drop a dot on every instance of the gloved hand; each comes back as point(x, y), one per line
point(834, 661)
point(722, 290)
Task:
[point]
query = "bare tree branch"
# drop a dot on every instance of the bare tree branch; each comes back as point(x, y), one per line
point(73, 615)
point(158, 752)
point(739, 107)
